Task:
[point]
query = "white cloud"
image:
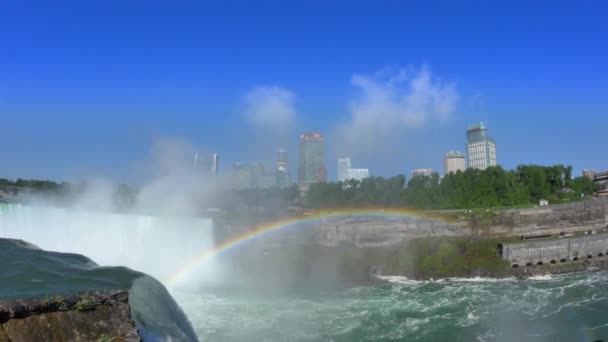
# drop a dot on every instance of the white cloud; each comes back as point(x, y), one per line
point(271, 109)
point(391, 102)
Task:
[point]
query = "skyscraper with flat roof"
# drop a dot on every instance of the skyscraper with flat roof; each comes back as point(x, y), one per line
point(343, 167)
point(311, 165)
point(282, 171)
point(207, 163)
point(481, 148)
point(454, 161)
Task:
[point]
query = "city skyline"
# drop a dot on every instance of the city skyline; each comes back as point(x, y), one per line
point(366, 75)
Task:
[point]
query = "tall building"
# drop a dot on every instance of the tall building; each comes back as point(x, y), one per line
point(357, 174)
point(207, 163)
point(481, 148)
point(311, 168)
point(454, 161)
point(282, 160)
point(422, 172)
point(214, 163)
point(343, 167)
point(251, 176)
point(242, 177)
point(282, 171)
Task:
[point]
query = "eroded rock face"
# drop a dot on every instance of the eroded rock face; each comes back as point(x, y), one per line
point(92, 316)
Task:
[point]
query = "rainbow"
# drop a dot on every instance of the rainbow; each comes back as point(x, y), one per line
point(294, 221)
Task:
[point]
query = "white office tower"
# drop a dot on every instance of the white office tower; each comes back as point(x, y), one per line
point(481, 149)
point(343, 167)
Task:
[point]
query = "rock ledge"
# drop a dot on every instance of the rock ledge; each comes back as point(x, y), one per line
point(91, 316)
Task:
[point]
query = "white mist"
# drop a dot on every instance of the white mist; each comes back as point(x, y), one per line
point(156, 245)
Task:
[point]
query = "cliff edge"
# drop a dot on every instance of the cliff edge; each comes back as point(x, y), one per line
point(91, 316)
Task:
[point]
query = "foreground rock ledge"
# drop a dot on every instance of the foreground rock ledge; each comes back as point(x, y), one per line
point(91, 316)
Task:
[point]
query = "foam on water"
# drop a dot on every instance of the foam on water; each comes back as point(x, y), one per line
point(398, 280)
point(541, 277)
point(562, 308)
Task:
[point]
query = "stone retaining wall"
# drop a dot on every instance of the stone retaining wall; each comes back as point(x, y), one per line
point(556, 251)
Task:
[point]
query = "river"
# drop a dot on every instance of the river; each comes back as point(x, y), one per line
point(558, 308)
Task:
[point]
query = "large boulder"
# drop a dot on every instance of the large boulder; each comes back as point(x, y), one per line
point(91, 316)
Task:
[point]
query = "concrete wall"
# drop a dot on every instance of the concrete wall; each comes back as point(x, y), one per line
point(556, 251)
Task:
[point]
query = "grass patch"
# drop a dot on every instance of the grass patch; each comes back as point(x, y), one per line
point(85, 303)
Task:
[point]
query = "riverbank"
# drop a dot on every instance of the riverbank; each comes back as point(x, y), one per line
point(286, 268)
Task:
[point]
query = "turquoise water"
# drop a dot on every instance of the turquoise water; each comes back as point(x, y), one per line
point(561, 308)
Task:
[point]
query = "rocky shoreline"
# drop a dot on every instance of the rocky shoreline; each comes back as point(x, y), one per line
point(569, 267)
point(90, 316)
point(523, 273)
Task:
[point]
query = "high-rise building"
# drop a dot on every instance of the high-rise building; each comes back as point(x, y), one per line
point(481, 148)
point(282, 160)
point(214, 163)
point(454, 161)
point(357, 174)
point(311, 168)
point(282, 171)
point(242, 177)
point(343, 167)
point(422, 172)
point(207, 163)
point(251, 176)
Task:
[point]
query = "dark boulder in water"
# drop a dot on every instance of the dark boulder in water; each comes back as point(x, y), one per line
point(93, 316)
point(33, 280)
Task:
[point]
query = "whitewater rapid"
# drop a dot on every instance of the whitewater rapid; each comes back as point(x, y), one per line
point(559, 308)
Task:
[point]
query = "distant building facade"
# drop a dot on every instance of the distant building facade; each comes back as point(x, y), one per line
point(481, 148)
point(357, 174)
point(453, 162)
point(241, 176)
point(251, 176)
point(589, 174)
point(601, 178)
point(282, 171)
point(207, 163)
point(343, 167)
point(422, 172)
point(311, 164)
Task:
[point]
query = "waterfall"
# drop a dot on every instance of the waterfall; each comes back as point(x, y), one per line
point(151, 244)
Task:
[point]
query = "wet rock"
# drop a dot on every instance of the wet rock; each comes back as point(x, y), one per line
point(91, 316)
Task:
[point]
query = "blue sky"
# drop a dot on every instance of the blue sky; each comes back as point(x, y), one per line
point(86, 87)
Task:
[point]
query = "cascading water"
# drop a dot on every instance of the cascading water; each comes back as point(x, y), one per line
point(155, 245)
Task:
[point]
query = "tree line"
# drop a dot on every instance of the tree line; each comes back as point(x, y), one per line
point(472, 188)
